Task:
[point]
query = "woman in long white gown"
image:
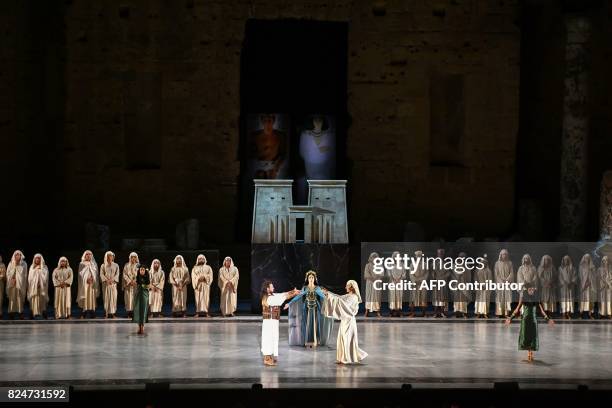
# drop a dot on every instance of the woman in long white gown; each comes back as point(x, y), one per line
point(345, 308)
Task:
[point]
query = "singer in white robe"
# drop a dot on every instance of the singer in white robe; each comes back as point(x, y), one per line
point(440, 297)
point(372, 304)
point(461, 298)
point(419, 295)
point(179, 279)
point(62, 281)
point(201, 279)
point(605, 288)
point(527, 273)
point(228, 283)
point(396, 275)
point(89, 284)
point(504, 272)
point(547, 277)
point(38, 287)
point(568, 279)
point(128, 282)
point(2, 284)
point(109, 277)
point(483, 296)
point(156, 287)
point(16, 283)
point(345, 309)
point(587, 276)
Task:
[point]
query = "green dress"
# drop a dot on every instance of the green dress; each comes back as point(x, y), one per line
point(141, 301)
point(528, 337)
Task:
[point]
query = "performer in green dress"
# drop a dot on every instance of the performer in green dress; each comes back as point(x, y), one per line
point(528, 336)
point(141, 300)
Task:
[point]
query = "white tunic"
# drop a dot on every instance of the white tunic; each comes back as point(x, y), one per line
point(62, 295)
point(269, 327)
point(128, 285)
point(567, 285)
point(156, 290)
point(345, 308)
point(16, 290)
point(109, 276)
point(2, 284)
point(201, 289)
point(504, 272)
point(88, 292)
point(38, 289)
point(373, 296)
point(229, 295)
point(179, 276)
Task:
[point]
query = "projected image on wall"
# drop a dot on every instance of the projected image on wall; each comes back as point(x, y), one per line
point(268, 146)
point(318, 147)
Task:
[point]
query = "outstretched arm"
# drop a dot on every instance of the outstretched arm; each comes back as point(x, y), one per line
point(516, 311)
point(550, 321)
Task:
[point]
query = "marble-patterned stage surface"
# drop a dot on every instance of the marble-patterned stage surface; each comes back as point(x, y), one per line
point(225, 353)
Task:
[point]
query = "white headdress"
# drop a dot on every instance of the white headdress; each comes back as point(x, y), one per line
point(355, 287)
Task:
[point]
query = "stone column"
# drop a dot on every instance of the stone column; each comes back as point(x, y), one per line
point(575, 130)
point(605, 207)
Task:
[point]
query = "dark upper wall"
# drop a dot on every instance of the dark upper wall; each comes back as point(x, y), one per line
point(142, 102)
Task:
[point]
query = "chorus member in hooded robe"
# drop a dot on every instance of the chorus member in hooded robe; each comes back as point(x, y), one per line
point(109, 276)
point(568, 278)
point(62, 281)
point(141, 298)
point(201, 279)
point(308, 326)
point(528, 335)
point(396, 275)
point(419, 296)
point(2, 284)
point(483, 296)
point(270, 310)
point(228, 283)
point(440, 296)
point(179, 279)
point(587, 276)
point(504, 272)
point(89, 285)
point(38, 287)
point(527, 273)
point(16, 284)
point(372, 304)
point(605, 288)
point(156, 288)
point(345, 308)
point(462, 297)
point(547, 279)
point(128, 282)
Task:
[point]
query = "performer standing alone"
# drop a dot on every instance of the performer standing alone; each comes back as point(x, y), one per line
point(528, 336)
point(141, 300)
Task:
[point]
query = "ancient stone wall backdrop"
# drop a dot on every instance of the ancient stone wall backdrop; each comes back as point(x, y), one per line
point(150, 105)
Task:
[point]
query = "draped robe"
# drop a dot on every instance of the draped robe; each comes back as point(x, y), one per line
point(202, 289)
point(109, 290)
point(179, 276)
point(38, 289)
point(228, 283)
point(345, 308)
point(16, 291)
point(128, 285)
point(156, 299)
point(63, 298)
point(88, 292)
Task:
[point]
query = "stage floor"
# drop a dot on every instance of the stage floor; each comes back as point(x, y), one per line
point(225, 353)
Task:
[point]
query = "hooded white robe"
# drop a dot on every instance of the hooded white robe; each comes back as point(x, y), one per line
point(483, 297)
point(88, 292)
point(504, 272)
point(461, 298)
point(157, 278)
point(345, 308)
point(527, 273)
point(38, 287)
point(2, 284)
point(419, 296)
point(587, 275)
point(396, 296)
point(373, 296)
point(547, 279)
point(16, 283)
point(179, 276)
point(228, 283)
point(201, 289)
point(128, 282)
point(109, 276)
point(605, 287)
point(63, 298)
point(567, 285)
point(440, 296)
